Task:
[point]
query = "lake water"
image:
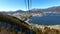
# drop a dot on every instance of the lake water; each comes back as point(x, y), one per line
point(53, 19)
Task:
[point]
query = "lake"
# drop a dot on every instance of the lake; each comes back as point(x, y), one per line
point(49, 19)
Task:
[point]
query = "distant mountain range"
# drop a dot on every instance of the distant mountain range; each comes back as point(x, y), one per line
point(51, 9)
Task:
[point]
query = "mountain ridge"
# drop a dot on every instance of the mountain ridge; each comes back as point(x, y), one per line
point(50, 9)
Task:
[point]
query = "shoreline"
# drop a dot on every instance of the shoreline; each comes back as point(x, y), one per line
point(42, 26)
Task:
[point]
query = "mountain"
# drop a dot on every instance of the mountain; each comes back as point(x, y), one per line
point(53, 9)
point(50, 9)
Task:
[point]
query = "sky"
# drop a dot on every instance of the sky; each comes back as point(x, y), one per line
point(13, 5)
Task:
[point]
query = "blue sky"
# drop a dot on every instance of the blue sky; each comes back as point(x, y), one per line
point(12, 5)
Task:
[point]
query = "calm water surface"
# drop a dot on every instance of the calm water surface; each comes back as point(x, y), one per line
point(46, 20)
